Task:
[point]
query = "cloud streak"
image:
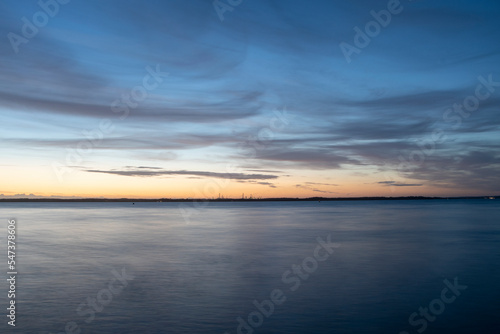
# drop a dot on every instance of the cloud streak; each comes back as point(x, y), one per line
point(157, 172)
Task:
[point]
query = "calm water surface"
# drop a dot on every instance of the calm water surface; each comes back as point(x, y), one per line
point(391, 259)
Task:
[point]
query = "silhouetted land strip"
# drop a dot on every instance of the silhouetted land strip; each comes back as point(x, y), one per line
point(241, 199)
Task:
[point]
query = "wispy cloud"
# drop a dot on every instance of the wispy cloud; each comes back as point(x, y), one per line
point(156, 172)
point(308, 186)
point(399, 184)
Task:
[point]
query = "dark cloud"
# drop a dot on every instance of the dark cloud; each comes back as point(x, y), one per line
point(235, 107)
point(313, 158)
point(398, 184)
point(139, 141)
point(321, 184)
point(153, 172)
point(408, 102)
point(269, 184)
point(307, 186)
point(265, 171)
point(473, 170)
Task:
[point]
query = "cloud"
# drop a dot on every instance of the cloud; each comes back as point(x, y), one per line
point(265, 171)
point(475, 170)
point(399, 184)
point(269, 184)
point(155, 172)
point(139, 140)
point(321, 184)
point(230, 108)
point(315, 158)
point(307, 186)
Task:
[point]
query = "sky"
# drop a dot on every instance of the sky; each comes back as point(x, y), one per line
point(202, 98)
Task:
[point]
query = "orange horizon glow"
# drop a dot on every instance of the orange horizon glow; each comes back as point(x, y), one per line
point(24, 180)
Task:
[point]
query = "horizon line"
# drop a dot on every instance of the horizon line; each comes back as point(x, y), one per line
point(164, 199)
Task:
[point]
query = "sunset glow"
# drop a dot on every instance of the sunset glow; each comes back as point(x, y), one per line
point(181, 100)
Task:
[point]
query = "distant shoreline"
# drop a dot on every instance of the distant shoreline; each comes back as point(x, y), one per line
point(284, 199)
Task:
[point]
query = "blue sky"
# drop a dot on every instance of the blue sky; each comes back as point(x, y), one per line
point(267, 90)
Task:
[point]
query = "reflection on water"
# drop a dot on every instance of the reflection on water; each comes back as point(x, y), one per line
point(392, 259)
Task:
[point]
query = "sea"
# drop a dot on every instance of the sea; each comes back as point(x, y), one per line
point(388, 266)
